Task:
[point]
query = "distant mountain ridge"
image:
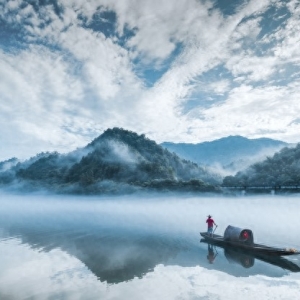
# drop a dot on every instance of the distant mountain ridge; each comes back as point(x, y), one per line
point(232, 152)
point(116, 160)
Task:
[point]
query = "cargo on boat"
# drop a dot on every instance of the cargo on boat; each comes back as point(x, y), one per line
point(242, 239)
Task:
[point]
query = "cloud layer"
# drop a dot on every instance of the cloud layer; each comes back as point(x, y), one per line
point(190, 72)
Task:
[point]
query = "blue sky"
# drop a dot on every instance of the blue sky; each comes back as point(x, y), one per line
point(181, 71)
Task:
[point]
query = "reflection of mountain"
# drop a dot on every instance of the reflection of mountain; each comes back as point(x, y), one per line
point(116, 259)
point(113, 256)
point(247, 259)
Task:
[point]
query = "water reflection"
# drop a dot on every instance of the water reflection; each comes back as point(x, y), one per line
point(212, 253)
point(112, 256)
point(242, 259)
point(247, 260)
point(118, 255)
point(118, 241)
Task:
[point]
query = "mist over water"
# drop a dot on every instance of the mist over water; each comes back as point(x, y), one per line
point(108, 247)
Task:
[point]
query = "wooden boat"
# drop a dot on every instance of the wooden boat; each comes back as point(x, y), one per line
point(242, 239)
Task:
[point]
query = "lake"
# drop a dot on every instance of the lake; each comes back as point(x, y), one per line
point(143, 247)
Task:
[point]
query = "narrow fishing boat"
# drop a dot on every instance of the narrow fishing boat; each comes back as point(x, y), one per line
point(242, 239)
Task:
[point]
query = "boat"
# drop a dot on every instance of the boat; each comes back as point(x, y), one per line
point(242, 240)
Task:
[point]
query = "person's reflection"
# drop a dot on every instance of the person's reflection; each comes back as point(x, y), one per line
point(211, 254)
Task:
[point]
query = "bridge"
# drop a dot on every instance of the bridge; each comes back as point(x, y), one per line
point(264, 188)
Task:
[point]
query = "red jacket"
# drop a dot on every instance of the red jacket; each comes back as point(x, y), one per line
point(210, 222)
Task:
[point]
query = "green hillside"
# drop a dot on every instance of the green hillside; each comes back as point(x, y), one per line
point(283, 169)
point(118, 160)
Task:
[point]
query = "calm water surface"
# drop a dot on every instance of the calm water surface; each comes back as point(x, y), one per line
point(143, 248)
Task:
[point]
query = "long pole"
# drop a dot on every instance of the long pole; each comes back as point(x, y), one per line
point(214, 229)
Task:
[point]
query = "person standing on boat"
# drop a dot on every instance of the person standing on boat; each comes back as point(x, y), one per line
point(210, 224)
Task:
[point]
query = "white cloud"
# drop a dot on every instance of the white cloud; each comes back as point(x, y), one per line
point(36, 91)
point(255, 68)
point(288, 38)
point(89, 82)
point(220, 87)
point(13, 5)
point(122, 153)
point(254, 112)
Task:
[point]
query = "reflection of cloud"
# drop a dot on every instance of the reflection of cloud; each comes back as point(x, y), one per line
point(28, 273)
point(197, 282)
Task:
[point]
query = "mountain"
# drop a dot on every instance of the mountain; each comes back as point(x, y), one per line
point(232, 153)
point(117, 161)
point(282, 169)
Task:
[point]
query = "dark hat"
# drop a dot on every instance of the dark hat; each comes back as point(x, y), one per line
point(209, 216)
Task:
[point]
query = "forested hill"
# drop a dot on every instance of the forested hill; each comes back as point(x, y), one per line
point(283, 169)
point(117, 160)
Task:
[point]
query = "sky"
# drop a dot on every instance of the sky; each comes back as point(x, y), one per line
point(180, 71)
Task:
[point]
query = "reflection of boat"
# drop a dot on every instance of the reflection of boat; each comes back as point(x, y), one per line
point(247, 259)
point(243, 239)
